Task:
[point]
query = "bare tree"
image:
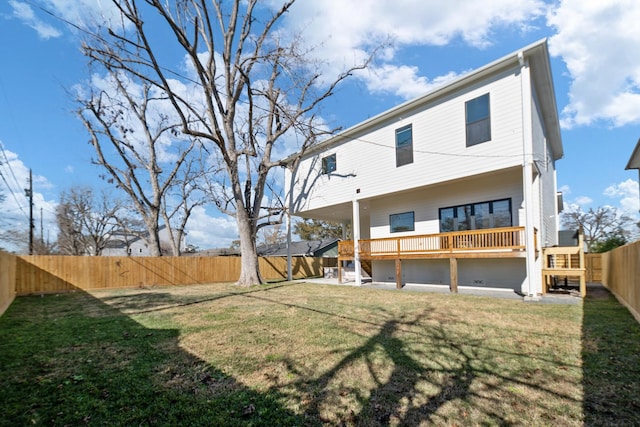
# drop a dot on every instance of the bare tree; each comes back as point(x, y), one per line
point(138, 145)
point(599, 225)
point(85, 221)
point(314, 229)
point(272, 235)
point(255, 89)
point(186, 194)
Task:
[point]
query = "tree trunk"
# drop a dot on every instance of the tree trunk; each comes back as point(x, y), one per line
point(249, 266)
point(153, 239)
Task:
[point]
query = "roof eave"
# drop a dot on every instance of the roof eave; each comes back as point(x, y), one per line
point(634, 160)
point(551, 119)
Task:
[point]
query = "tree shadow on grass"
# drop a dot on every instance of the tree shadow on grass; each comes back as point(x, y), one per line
point(611, 361)
point(72, 360)
point(422, 372)
point(152, 299)
point(400, 387)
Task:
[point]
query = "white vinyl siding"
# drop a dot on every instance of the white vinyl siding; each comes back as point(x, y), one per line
point(367, 161)
point(426, 203)
point(548, 220)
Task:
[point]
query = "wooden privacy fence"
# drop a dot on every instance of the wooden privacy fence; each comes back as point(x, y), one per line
point(621, 275)
point(594, 267)
point(7, 280)
point(43, 273)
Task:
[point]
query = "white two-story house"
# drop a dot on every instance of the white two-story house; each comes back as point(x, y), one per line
point(456, 187)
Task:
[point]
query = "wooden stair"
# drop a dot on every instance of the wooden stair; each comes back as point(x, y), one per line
point(366, 267)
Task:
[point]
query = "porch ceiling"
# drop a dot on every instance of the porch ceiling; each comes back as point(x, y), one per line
point(340, 213)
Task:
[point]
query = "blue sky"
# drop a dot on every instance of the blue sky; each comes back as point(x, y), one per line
point(595, 66)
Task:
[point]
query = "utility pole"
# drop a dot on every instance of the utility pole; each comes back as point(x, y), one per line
point(29, 194)
point(41, 228)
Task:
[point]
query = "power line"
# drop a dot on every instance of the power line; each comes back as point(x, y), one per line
point(15, 197)
point(439, 153)
point(8, 163)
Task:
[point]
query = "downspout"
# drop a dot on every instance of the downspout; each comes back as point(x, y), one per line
point(527, 174)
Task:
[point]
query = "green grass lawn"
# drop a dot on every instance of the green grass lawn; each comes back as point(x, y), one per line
point(302, 354)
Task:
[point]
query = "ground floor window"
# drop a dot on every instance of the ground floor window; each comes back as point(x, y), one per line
point(402, 222)
point(476, 216)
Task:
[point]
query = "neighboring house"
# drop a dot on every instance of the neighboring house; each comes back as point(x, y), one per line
point(215, 252)
point(455, 187)
point(124, 244)
point(326, 248)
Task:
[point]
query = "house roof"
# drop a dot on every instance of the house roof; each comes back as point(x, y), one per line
point(121, 237)
point(538, 56)
point(634, 160)
point(214, 252)
point(304, 248)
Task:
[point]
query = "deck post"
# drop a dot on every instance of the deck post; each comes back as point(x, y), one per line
point(356, 243)
point(453, 271)
point(583, 281)
point(398, 273)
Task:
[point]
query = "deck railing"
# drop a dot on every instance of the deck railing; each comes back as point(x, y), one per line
point(495, 239)
point(564, 262)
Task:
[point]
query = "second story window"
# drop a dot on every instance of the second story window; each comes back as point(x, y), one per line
point(329, 164)
point(478, 119)
point(404, 145)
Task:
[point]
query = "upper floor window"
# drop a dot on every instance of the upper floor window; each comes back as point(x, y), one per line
point(476, 216)
point(478, 119)
point(402, 222)
point(404, 146)
point(329, 164)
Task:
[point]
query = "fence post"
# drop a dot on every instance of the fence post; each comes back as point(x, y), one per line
point(583, 284)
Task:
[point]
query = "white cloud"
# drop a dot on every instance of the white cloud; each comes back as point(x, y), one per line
point(402, 80)
point(24, 12)
point(565, 189)
point(628, 194)
point(81, 13)
point(207, 232)
point(598, 42)
point(343, 31)
point(583, 200)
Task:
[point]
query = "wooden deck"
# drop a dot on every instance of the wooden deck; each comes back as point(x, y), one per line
point(507, 242)
point(490, 243)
